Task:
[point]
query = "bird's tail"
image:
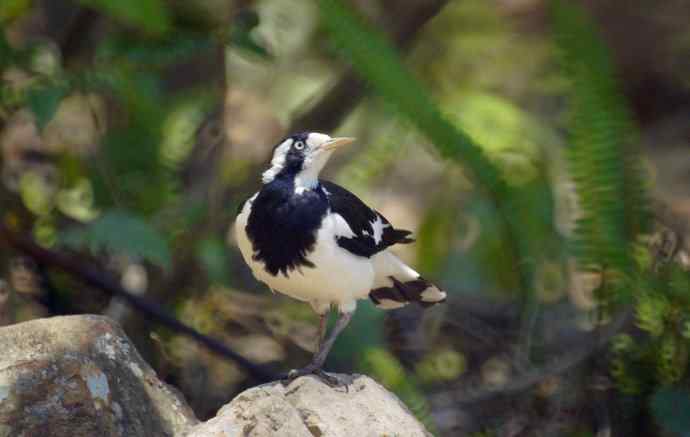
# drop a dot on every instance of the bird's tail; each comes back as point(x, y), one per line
point(397, 284)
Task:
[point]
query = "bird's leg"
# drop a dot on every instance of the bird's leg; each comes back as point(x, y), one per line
point(324, 348)
point(327, 343)
point(323, 323)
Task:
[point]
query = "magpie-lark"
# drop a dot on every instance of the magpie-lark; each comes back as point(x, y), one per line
point(317, 242)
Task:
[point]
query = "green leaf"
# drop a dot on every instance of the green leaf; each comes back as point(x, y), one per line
point(124, 233)
point(76, 202)
point(150, 15)
point(37, 193)
point(44, 102)
point(670, 407)
point(131, 150)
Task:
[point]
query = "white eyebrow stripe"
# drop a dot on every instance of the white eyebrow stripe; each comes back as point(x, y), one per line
point(314, 139)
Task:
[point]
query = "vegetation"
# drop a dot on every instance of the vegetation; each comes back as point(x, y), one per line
point(130, 131)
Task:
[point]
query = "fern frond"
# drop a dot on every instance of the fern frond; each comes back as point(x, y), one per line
point(378, 62)
point(605, 169)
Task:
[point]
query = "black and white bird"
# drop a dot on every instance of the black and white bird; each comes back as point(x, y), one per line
point(317, 242)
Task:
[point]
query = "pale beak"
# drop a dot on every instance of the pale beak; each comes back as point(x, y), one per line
point(335, 143)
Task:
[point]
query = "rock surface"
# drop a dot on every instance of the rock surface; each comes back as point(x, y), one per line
point(309, 408)
point(80, 376)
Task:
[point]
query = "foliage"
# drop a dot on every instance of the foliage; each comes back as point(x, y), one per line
point(612, 203)
point(120, 232)
point(487, 224)
point(661, 358)
point(374, 58)
point(379, 64)
point(614, 212)
point(150, 15)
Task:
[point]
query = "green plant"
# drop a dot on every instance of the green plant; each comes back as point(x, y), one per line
point(613, 206)
point(614, 213)
point(376, 61)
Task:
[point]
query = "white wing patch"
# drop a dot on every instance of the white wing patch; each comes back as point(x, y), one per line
point(342, 229)
point(378, 226)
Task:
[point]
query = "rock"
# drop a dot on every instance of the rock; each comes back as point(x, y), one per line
point(309, 408)
point(80, 376)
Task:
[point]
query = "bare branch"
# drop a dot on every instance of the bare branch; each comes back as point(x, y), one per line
point(94, 277)
point(592, 343)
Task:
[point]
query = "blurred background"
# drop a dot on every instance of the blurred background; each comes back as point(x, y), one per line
point(539, 150)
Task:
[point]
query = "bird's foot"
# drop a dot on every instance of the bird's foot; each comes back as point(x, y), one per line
point(312, 369)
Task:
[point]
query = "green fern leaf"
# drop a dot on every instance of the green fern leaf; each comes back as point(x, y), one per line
point(378, 62)
point(605, 170)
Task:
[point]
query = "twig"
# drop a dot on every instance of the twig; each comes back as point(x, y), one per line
point(94, 277)
point(523, 382)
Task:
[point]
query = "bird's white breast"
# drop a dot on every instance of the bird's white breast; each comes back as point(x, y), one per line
point(338, 276)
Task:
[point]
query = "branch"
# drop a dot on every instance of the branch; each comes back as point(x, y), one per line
point(94, 277)
point(594, 341)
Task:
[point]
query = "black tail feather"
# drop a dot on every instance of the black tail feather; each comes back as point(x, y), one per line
point(398, 236)
point(403, 293)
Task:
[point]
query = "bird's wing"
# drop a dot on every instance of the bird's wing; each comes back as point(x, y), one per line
point(371, 232)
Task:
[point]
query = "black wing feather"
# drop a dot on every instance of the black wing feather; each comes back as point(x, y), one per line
point(359, 217)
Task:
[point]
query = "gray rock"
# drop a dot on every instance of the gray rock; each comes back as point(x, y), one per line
point(309, 408)
point(80, 376)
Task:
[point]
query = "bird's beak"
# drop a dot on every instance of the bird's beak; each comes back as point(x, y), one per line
point(335, 143)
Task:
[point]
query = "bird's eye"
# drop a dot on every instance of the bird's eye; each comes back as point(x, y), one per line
point(299, 145)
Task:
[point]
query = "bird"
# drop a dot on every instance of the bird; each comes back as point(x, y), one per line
point(317, 242)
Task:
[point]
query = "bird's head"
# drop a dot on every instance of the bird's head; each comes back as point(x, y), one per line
point(302, 156)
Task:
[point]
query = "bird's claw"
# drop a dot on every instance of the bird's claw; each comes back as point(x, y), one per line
point(293, 374)
point(330, 380)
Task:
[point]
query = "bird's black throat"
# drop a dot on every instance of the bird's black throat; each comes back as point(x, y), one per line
point(282, 225)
